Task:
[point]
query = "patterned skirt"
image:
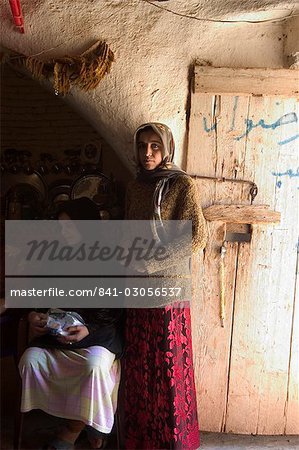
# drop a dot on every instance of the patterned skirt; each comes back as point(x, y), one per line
point(79, 384)
point(160, 397)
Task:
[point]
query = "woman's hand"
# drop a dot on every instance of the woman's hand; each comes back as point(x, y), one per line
point(75, 334)
point(37, 324)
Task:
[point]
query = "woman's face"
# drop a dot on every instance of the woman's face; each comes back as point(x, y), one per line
point(68, 229)
point(150, 149)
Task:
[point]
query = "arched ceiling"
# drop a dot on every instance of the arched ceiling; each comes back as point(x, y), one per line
point(155, 50)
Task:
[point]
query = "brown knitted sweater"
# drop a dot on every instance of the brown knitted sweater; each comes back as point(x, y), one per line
point(181, 202)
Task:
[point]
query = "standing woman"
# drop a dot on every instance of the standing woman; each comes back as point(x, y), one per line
point(160, 404)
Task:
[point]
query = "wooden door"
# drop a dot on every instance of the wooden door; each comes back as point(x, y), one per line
point(247, 372)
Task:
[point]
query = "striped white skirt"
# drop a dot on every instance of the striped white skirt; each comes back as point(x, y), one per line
point(79, 384)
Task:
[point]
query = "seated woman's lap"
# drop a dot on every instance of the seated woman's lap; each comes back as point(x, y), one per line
point(87, 359)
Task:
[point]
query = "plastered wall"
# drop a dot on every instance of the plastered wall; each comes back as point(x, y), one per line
point(154, 53)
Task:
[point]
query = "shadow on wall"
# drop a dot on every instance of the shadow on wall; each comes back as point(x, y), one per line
point(38, 122)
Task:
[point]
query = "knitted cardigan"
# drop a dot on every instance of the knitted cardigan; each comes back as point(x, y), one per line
point(181, 202)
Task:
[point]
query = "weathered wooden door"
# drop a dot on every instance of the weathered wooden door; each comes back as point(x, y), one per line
point(247, 372)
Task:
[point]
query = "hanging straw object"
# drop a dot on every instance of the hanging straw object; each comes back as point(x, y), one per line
point(36, 67)
point(39, 69)
point(94, 66)
point(62, 73)
point(86, 70)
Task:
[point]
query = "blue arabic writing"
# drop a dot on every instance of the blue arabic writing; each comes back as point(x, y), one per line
point(250, 125)
point(205, 126)
point(283, 120)
point(288, 173)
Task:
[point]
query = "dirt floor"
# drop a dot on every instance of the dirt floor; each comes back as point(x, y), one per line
point(39, 427)
point(217, 441)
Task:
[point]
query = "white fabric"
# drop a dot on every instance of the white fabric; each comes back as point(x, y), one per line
point(79, 384)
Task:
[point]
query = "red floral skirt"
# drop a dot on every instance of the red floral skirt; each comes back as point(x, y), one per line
point(160, 397)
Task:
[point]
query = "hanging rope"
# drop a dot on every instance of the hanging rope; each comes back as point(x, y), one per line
point(85, 70)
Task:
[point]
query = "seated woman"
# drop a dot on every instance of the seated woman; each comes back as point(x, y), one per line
point(75, 377)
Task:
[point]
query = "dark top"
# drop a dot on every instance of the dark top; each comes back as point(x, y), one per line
point(105, 328)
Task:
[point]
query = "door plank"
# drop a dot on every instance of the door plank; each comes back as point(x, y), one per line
point(263, 308)
point(235, 81)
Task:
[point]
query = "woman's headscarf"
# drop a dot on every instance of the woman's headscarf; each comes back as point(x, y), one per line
point(165, 134)
point(163, 174)
point(167, 168)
